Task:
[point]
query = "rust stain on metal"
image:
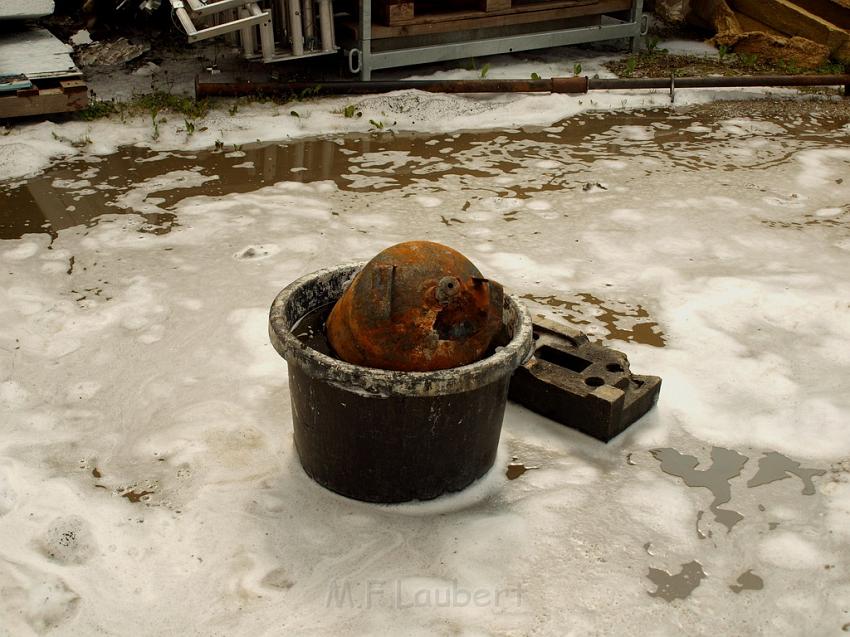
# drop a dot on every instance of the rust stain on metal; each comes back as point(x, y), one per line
point(416, 306)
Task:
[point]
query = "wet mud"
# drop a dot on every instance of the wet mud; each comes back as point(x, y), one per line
point(747, 581)
point(516, 469)
point(562, 158)
point(670, 587)
point(725, 465)
point(621, 321)
point(774, 466)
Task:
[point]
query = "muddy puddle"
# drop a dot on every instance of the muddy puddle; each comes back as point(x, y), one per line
point(672, 586)
point(567, 156)
point(621, 320)
point(726, 465)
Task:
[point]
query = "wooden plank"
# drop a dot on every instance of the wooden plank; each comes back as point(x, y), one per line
point(44, 101)
point(494, 5)
point(394, 11)
point(481, 20)
point(751, 24)
point(835, 11)
point(415, 11)
point(73, 86)
point(790, 19)
point(513, 9)
point(25, 9)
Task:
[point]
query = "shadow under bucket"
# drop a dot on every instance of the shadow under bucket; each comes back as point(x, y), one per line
point(390, 436)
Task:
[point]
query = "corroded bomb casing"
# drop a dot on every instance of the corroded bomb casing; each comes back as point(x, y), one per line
point(416, 306)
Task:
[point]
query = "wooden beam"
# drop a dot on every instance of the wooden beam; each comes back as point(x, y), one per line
point(494, 5)
point(790, 19)
point(51, 100)
point(835, 11)
point(394, 11)
point(524, 14)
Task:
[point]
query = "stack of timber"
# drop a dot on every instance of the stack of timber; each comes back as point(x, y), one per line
point(37, 74)
point(418, 17)
point(826, 22)
point(805, 33)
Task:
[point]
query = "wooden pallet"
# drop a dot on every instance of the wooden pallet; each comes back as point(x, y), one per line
point(580, 13)
point(409, 12)
point(45, 96)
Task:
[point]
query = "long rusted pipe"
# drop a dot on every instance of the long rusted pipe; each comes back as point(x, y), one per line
point(580, 84)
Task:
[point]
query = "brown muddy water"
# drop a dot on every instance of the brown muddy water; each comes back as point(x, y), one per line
point(679, 585)
point(565, 157)
point(80, 191)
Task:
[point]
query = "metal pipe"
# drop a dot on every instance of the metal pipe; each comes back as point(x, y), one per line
point(553, 85)
point(309, 22)
point(719, 82)
point(295, 34)
point(326, 24)
point(185, 20)
point(246, 34)
point(211, 8)
point(266, 31)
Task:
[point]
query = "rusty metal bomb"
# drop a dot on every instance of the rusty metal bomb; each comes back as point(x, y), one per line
point(416, 306)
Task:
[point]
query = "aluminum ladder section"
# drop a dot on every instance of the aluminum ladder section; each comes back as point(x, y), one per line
point(249, 16)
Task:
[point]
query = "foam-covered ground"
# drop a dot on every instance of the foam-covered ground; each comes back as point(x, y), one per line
point(148, 480)
point(27, 149)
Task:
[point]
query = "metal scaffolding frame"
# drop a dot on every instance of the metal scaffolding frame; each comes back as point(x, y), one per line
point(370, 61)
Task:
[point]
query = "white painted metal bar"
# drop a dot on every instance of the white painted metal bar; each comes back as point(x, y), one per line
point(185, 21)
point(266, 31)
point(326, 23)
point(244, 24)
point(366, 40)
point(492, 46)
point(201, 8)
point(278, 9)
point(635, 16)
point(295, 33)
point(228, 16)
point(309, 21)
point(247, 34)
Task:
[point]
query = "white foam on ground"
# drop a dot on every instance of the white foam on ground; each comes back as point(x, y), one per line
point(171, 387)
point(27, 149)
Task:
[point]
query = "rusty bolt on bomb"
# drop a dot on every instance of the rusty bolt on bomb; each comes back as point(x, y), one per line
point(417, 306)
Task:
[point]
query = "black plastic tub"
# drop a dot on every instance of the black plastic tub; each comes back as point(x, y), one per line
point(389, 436)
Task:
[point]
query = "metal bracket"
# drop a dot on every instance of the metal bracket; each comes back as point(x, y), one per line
point(644, 24)
point(351, 55)
point(583, 385)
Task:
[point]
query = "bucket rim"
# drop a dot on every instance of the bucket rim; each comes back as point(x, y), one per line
point(383, 382)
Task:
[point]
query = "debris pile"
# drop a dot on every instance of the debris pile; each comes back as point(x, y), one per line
point(801, 34)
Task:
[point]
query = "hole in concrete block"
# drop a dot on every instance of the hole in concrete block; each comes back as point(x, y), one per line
point(562, 359)
point(614, 367)
point(594, 381)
